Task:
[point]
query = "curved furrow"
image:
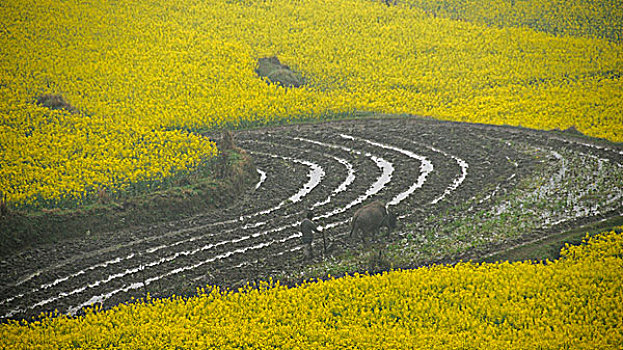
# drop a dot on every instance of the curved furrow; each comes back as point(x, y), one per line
point(315, 175)
point(449, 173)
point(194, 226)
point(343, 185)
point(461, 164)
point(386, 167)
point(372, 190)
point(426, 167)
point(189, 227)
point(262, 178)
point(431, 173)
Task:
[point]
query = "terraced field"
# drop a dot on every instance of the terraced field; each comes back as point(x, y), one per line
point(473, 189)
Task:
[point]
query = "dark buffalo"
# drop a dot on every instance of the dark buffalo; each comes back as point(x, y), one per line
point(370, 218)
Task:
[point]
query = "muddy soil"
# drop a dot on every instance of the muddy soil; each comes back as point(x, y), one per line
point(424, 169)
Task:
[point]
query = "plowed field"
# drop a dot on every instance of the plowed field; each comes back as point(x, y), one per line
point(431, 174)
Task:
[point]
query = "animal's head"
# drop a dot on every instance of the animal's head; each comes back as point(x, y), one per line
point(390, 220)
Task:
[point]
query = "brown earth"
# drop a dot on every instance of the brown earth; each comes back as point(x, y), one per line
point(333, 168)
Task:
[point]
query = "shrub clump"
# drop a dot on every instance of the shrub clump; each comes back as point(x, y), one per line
point(55, 101)
point(278, 73)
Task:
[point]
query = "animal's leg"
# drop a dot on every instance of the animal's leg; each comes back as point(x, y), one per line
point(377, 232)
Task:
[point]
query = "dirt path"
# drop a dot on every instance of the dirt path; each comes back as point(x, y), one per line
point(433, 174)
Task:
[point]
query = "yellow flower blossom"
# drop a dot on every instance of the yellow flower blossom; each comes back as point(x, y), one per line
point(573, 302)
point(145, 76)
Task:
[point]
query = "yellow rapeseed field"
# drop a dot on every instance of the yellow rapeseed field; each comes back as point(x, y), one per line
point(144, 76)
point(597, 18)
point(575, 302)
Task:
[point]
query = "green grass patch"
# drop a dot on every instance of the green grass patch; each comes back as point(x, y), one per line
point(549, 247)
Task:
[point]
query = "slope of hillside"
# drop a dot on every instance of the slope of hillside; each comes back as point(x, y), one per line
point(140, 75)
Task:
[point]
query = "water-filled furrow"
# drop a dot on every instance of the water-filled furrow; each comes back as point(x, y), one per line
point(387, 169)
point(129, 271)
point(343, 186)
point(463, 165)
point(426, 167)
point(436, 154)
point(251, 262)
point(506, 158)
point(381, 181)
point(136, 285)
point(315, 175)
point(150, 239)
point(262, 178)
point(350, 178)
point(200, 228)
point(67, 278)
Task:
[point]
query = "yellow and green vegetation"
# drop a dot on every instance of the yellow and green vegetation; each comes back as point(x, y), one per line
point(113, 96)
point(598, 19)
point(139, 78)
point(575, 302)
